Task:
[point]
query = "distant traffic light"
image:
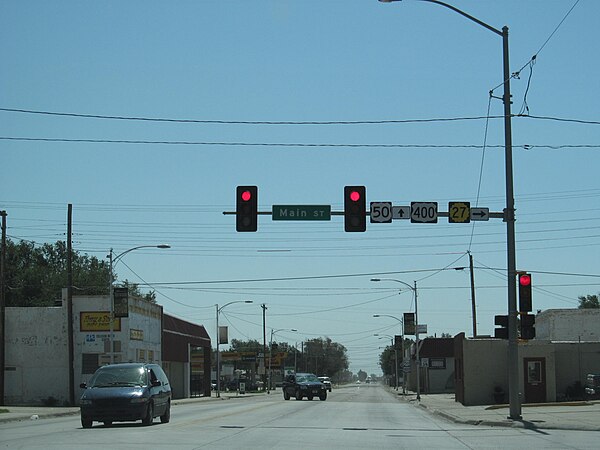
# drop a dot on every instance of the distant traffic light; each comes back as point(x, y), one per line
point(527, 326)
point(397, 341)
point(355, 201)
point(525, 292)
point(246, 208)
point(502, 322)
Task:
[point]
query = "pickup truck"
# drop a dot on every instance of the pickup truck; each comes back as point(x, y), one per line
point(302, 385)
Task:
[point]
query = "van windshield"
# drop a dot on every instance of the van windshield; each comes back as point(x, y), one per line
point(119, 376)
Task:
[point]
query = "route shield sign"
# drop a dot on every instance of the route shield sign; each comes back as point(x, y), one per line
point(381, 212)
point(459, 212)
point(424, 212)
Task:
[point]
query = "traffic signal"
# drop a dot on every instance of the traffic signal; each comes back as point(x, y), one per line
point(355, 201)
point(246, 208)
point(527, 326)
point(397, 341)
point(502, 322)
point(524, 292)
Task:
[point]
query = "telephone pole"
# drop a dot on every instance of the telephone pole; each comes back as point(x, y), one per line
point(473, 307)
point(2, 307)
point(264, 374)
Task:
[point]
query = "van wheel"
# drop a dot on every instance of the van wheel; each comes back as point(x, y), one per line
point(166, 417)
point(286, 395)
point(85, 422)
point(149, 415)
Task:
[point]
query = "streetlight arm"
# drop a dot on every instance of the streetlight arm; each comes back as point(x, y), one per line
point(455, 9)
point(387, 315)
point(120, 255)
point(393, 279)
point(231, 303)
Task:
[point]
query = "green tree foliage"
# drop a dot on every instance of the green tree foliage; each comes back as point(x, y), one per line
point(35, 275)
point(321, 356)
point(588, 301)
point(246, 346)
point(387, 359)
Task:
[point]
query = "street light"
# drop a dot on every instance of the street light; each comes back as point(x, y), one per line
point(218, 355)
point(402, 351)
point(271, 353)
point(382, 336)
point(509, 216)
point(113, 262)
point(414, 289)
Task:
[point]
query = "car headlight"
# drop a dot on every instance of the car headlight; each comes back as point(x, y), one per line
point(85, 402)
point(303, 387)
point(138, 400)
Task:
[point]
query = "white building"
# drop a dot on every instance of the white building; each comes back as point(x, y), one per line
point(37, 348)
point(568, 325)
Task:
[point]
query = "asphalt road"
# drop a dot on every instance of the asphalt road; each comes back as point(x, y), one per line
point(353, 417)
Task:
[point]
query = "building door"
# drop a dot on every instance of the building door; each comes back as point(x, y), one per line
point(535, 380)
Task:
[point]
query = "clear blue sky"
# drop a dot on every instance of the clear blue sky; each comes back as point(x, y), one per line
point(306, 61)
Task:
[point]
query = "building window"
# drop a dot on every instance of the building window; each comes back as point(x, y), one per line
point(89, 363)
point(437, 363)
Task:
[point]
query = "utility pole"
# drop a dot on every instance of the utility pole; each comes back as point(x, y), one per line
point(70, 303)
point(264, 375)
point(2, 308)
point(473, 308)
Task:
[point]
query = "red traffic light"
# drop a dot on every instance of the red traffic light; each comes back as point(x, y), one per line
point(246, 196)
point(355, 218)
point(355, 196)
point(525, 279)
point(246, 208)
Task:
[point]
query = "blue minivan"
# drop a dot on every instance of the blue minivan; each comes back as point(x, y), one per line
point(126, 392)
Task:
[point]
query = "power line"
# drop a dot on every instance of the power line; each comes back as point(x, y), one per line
point(283, 122)
point(290, 144)
point(246, 122)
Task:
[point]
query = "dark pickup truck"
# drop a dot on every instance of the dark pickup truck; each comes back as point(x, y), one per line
point(302, 385)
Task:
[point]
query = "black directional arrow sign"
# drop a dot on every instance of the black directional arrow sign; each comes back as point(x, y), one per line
point(480, 213)
point(401, 212)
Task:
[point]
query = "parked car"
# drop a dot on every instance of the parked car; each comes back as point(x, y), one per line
point(126, 392)
point(302, 385)
point(327, 382)
point(592, 386)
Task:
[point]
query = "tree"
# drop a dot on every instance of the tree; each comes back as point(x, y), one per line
point(35, 275)
point(320, 356)
point(251, 345)
point(588, 302)
point(362, 376)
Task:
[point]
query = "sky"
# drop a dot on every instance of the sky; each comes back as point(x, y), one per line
point(302, 98)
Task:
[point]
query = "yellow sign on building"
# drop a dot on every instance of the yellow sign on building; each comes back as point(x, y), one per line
point(97, 321)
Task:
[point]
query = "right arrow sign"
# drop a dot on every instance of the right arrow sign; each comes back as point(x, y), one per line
point(480, 213)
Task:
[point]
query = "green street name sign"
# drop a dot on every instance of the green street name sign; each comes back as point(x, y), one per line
point(301, 212)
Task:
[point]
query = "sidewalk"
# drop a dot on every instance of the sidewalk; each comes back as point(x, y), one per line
point(583, 415)
point(21, 413)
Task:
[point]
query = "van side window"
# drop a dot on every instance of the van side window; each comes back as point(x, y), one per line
point(161, 375)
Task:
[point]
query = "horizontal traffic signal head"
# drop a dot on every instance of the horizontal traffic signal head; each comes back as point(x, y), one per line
point(355, 215)
point(502, 322)
point(246, 208)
